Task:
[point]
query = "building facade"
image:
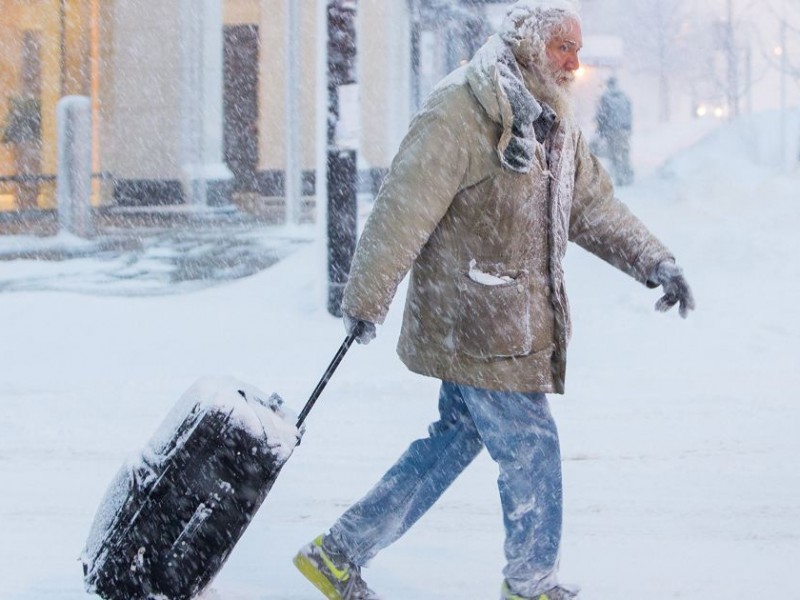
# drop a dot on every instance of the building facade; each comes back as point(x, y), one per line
point(183, 92)
point(189, 98)
point(46, 49)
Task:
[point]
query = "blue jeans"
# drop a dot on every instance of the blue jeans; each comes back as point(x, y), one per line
point(520, 435)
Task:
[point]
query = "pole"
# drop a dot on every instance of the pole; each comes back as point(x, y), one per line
point(784, 69)
point(326, 377)
point(342, 144)
point(748, 78)
point(321, 153)
point(293, 177)
point(733, 72)
point(62, 41)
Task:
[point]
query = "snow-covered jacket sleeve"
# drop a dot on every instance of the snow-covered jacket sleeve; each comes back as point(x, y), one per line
point(425, 175)
point(605, 226)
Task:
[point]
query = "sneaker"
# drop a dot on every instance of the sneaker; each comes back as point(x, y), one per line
point(556, 593)
point(332, 574)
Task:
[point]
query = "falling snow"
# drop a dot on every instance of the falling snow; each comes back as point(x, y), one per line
point(677, 436)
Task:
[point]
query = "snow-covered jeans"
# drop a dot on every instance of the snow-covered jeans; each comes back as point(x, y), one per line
point(520, 435)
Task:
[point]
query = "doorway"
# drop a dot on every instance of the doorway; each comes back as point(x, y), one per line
point(240, 105)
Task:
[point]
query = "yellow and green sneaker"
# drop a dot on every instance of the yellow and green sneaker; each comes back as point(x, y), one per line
point(332, 574)
point(556, 593)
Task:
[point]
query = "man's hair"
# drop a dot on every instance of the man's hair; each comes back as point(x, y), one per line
point(529, 24)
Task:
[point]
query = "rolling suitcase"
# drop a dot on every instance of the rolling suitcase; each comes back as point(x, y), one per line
point(171, 516)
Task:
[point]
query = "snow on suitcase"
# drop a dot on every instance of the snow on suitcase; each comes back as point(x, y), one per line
point(172, 515)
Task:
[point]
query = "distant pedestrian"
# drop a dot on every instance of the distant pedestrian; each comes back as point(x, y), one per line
point(614, 125)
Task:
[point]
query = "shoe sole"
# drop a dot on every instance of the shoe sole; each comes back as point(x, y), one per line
point(313, 574)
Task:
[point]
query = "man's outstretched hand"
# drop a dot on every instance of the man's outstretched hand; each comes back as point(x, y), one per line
point(676, 288)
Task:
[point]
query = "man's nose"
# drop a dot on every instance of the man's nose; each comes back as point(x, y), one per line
point(573, 62)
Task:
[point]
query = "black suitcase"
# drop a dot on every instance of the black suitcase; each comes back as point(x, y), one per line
point(171, 516)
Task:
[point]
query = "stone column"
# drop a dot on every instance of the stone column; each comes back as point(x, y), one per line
point(205, 176)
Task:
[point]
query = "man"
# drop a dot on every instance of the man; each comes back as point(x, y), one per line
point(614, 122)
point(491, 181)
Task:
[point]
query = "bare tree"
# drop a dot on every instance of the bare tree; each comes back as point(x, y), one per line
point(737, 39)
point(658, 32)
point(786, 58)
point(726, 59)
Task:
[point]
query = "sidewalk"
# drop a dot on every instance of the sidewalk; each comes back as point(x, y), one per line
point(134, 255)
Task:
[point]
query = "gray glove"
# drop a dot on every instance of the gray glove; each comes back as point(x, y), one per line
point(363, 330)
point(676, 289)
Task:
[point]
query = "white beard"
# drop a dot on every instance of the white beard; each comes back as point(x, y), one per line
point(551, 85)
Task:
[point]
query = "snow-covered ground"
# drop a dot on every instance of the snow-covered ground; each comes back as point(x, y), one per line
point(679, 437)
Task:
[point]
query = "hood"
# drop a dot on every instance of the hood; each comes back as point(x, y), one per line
point(495, 79)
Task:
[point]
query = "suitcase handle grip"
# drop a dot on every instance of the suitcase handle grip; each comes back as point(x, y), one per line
point(348, 341)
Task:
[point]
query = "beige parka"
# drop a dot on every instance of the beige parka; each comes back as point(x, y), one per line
point(486, 303)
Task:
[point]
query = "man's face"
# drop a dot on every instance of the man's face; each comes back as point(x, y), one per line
point(562, 50)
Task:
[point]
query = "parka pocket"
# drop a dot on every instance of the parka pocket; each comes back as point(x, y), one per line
point(494, 321)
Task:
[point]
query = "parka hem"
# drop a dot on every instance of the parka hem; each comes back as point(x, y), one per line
point(454, 372)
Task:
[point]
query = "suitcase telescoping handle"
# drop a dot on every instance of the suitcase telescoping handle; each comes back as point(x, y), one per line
point(348, 341)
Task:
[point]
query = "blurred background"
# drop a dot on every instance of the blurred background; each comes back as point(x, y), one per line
point(216, 107)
